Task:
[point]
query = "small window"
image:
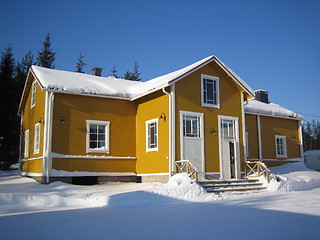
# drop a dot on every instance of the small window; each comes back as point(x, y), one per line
point(210, 91)
point(228, 128)
point(152, 135)
point(281, 146)
point(191, 126)
point(33, 94)
point(98, 136)
point(26, 143)
point(36, 146)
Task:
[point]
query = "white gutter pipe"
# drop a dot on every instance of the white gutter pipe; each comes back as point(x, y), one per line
point(171, 126)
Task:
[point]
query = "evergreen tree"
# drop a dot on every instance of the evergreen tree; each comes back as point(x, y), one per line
point(311, 135)
point(9, 131)
point(80, 64)
point(114, 72)
point(22, 69)
point(134, 76)
point(46, 57)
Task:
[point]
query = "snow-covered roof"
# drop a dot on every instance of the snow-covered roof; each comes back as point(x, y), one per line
point(269, 109)
point(79, 83)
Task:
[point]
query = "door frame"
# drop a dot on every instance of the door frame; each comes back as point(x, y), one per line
point(196, 114)
point(237, 145)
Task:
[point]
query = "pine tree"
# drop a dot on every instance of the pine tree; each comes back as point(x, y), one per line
point(46, 57)
point(80, 64)
point(22, 69)
point(114, 72)
point(9, 131)
point(134, 76)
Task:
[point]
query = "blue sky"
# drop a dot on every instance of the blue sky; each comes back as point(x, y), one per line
point(272, 45)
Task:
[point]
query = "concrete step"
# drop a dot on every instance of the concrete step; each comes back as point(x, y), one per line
point(232, 185)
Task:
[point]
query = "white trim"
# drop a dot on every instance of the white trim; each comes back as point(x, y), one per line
point(26, 143)
point(259, 137)
point(237, 143)
point(58, 155)
point(31, 159)
point(244, 132)
point(156, 136)
point(36, 138)
point(31, 174)
point(107, 137)
point(266, 115)
point(153, 174)
point(301, 140)
point(33, 94)
point(202, 137)
point(284, 138)
point(216, 79)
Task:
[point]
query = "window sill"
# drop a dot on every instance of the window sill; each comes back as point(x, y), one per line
point(210, 105)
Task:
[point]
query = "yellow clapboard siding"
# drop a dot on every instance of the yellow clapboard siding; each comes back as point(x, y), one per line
point(30, 117)
point(94, 165)
point(33, 166)
point(188, 98)
point(252, 130)
point(271, 126)
point(70, 137)
point(151, 107)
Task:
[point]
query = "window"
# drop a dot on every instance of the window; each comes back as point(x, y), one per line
point(191, 126)
point(98, 136)
point(281, 146)
point(210, 91)
point(227, 128)
point(152, 135)
point(33, 94)
point(26, 143)
point(36, 145)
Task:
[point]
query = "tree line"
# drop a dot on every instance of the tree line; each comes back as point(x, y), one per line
point(311, 135)
point(12, 79)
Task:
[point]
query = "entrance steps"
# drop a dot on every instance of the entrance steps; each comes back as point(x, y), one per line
point(233, 185)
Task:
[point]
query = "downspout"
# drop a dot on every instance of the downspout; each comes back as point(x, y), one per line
point(244, 129)
point(171, 127)
point(259, 137)
point(47, 160)
point(300, 140)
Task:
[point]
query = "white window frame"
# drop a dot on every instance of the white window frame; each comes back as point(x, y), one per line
point(37, 134)
point(150, 148)
point(33, 94)
point(204, 102)
point(284, 139)
point(106, 124)
point(26, 143)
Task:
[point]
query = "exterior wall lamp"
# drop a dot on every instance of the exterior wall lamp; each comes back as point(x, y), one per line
point(213, 131)
point(162, 116)
point(62, 120)
point(41, 120)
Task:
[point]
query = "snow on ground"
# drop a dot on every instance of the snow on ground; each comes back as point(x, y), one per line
point(180, 209)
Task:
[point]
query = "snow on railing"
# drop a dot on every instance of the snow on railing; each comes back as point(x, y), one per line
point(257, 169)
point(185, 166)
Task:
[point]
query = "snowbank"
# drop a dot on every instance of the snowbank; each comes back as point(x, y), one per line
point(293, 177)
point(180, 186)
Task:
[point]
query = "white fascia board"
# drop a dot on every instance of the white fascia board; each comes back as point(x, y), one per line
point(266, 115)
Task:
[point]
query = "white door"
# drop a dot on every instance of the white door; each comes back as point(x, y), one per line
point(229, 148)
point(192, 139)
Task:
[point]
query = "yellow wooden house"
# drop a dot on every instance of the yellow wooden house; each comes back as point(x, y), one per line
point(76, 124)
point(273, 133)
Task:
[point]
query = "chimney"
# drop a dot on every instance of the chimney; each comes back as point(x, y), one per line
point(262, 96)
point(97, 71)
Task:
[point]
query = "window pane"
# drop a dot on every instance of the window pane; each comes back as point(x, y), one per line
point(101, 144)
point(93, 128)
point(101, 129)
point(101, 137)
point(93, 136)
point(93, 144)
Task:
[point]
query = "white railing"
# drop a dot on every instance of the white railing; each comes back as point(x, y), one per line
point(185, 166)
